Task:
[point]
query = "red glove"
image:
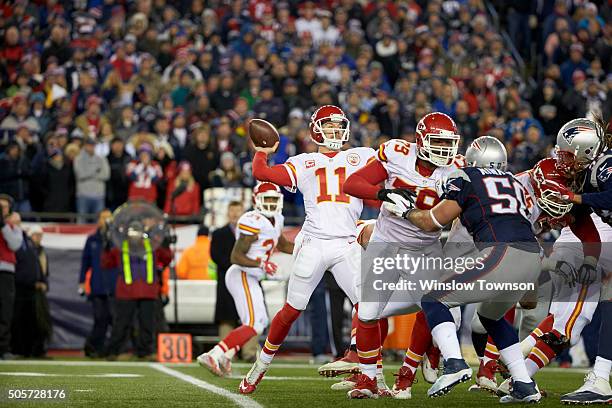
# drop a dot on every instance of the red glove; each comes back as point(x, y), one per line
point(269, 267)
point(560, 190)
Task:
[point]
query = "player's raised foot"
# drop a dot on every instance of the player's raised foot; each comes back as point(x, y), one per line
point(349, 364)
point(208, 361)
point(455, 372)
point(402, 389)
point(485, 378)
point(249, 383)
point(595, 390)
point(383, 388)
point(225, 364)
point(365, 388)
point(522, 393)
point(430, 364)
point(347, 384)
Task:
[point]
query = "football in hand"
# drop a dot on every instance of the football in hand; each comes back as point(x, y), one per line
point(262, 133)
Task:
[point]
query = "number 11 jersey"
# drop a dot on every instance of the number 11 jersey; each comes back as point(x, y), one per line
point(330, 213)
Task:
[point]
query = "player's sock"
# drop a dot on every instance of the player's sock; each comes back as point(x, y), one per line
point(602, 367)
point(530, 341)
point(420, 342)
point(443, 329)
point(231, 352)
point(354, 323)
point(383, 325)
point(379, 366)
point(513, 357)
point(539, 357)
point(219, 350)
point(237, 338)
point(368, 347)
point(278, 331)
point(605, 331)
point(491, 352)
point(479, 341)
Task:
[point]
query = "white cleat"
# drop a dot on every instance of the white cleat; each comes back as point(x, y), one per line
point(455, 372)
point(225, 364)
point(347, 384)
point(249, 383)
point(383, 388)
point(595, 390)
point(210, 363)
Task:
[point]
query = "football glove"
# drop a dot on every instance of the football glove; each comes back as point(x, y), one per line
point(399, 205)
point(587, 273)
point(269, 267)
point(383, 194)
point(567, 272)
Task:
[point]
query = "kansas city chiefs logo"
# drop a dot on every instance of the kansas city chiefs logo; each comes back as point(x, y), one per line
point(571, 133)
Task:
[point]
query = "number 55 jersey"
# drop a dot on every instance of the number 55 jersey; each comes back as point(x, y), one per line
point(330, 213)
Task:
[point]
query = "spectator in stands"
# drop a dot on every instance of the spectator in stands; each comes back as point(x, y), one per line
point(164, 156)
point(202, 155)
point(221, 245)
point(118, 182)
point(195, 262)
point(91, 173)
point(19, 116)
point(29, 279)
point(57, 183)
point(127, 125)
point(228, 173)
point(44, 323)
point(14, 179)
point(183, 197)
point(575, 63)
point(144, 174)
point(11, 238)
point(98, 284)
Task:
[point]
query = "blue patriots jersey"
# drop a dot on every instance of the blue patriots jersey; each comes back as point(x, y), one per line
point(597, 192)
point(492, 203)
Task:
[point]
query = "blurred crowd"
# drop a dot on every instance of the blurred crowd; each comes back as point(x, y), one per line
point(102, 101)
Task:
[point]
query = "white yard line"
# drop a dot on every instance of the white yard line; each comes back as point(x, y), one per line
point(240, 400)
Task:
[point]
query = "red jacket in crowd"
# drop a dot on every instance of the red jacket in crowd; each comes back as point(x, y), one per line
point(143, 181)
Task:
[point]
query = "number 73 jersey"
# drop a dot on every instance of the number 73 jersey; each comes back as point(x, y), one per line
point(399, 158)
point(320, 177)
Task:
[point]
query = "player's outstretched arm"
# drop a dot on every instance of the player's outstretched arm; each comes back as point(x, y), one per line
point(284, 245)
point(584, 228)
point(241, 248)
point(364, 183)
point(436, 218)
point(278, 174)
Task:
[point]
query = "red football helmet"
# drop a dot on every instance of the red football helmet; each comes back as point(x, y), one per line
point(332, 138)
point(437, 126)
point(268, 199)
point(546, 180)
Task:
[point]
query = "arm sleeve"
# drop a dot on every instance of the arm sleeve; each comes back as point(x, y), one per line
point(587, 233)
point(364, 183)
point(13, 236)
point(104, 171)
point(600, 201)
point(278, 174)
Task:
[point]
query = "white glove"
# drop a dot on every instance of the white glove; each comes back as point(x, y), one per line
point(587, 273)
point(399, 206)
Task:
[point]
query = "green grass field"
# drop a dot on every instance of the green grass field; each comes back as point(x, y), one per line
point(126, 384)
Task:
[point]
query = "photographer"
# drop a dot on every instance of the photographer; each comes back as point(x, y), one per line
point(11, 238)
point(99, 286)
point(137, 290)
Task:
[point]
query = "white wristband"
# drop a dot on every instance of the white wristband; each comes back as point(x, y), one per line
point(435, 221)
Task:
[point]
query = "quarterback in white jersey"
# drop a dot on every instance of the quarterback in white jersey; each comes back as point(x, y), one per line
point(329, 227)
point(259, 232)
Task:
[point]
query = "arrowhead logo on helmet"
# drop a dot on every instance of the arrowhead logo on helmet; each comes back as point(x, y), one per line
point(437, 139)
point(546, 180)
